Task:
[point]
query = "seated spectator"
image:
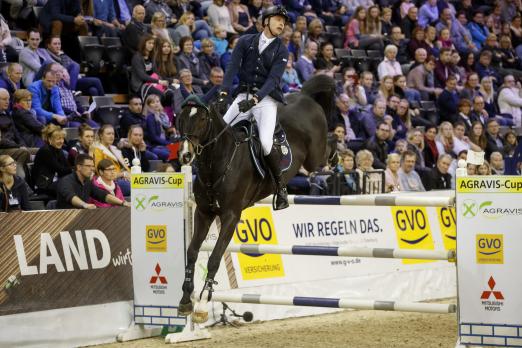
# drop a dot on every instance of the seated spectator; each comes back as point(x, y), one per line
point(164, 66)
point(345, 118)
point(370, 92)
point(430, 36)
point(378, 146)
point(372, 118)
point(355, 34)
point(409, 179)
point(105, 22)
point(227, 56)
point(471, 87)
point(11, 143)
point(352, 88)
point(479, 113)
point(510, 100)
point(340, 133)
point(215, 79)
point(460, 35)
point(75, 189)
point(290, 78)
point(187, 59)
point(208, 59)
point(105, 181)
point(497, 163)
point(397, 39)
point(315, 31)
point(487, 91)
point(510, 143)
point(445, 140)
point(439, 178)
point(398, 127)
point(421, 55)
point(483, 66)
point(484, 169)
point(31, 57)
point(386, 87)
point(471, 169)
point(144, 80)
point(50, 163)
point(325, 59)
point(10, 79)
point(159, 29)
point(295, 45)
point(409, 23)
point(422, 79)
point(477, 135)
point(417, 41)
point(442, 67)
point(386, 21)
point(186, 88)
point(220, 40)
point(462, 142)
point(495, 140)
point(63, 15)
point(305, 65)
point(428, 14)
point(159, 128)
point(431, 150)
point(349, 182)
point(103, 148)
point(401, 145)
point(135, 29)
point(444, 40)
point(448, 101)
point(363, 161)
point(465, 114)
point(391, 174)
point(132, 115)
point(46, 99)
point(135, 148)
point(373, 26)
point(240, 17)
point(28, 126)
point(218, 14)
point(478, 30)
point(415, 138)
point(13, 189)
point(154, 6)
point(389, 66)
point(83, 144)
point(510, 59)
point(401, 89)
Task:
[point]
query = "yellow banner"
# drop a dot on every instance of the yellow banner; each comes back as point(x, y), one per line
point(448, 227)
point(158, 180)
point(413, 230)
point(497, 184)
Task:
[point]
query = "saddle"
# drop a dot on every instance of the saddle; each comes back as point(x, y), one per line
point(251, 135)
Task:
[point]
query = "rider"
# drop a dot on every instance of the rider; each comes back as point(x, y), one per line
point(260, 60)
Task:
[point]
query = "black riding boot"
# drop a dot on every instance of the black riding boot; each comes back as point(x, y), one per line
point(273, 161)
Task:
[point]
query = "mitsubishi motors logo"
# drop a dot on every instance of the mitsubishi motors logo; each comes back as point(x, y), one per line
point(496, 304)
point(154, 279)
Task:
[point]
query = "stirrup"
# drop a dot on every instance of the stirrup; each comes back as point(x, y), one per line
point(280, 199)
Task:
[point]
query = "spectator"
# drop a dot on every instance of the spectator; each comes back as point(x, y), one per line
point(510, 100)
point(50, 163)
point(510, 59)
point(510, 143)
point(83, 144)
point(325, 59)
point(185, 89)
point(255, 7)
point(516, 33)
point(105, 21)
point(432, 149)
point(13, 189)
point(159, 128)
point(484, 169)
point(428, 14)
point(103, 148)
point(241, 20)
point(315, 30)
point(487, 91)
point(445, 139)
point(438, 178)
point(462, 142)
point(349, 178)
point(135, 29)
point(351, 87)
point(46, 99)
point(415, 138)
point(143, 79)
point(159, 29)
point(378, 146)
point(215, 78)
point(305, 65)
point(477, 135)
point(404, 114)
point(187, 59)
point(444, 40)
point(389, 66)
point(220, 40)
point(391, 174)
point(422, 79)
point(11, 143)
point(189, 26)
point(208, 58)
point(409, 179)
point(374, 117)
point(154, 6)
point(477, 28)
point(401, 145)
point(10, 79)
point(479, 113)
point(357, 35)
point(471, 169)
point(340, 133)
point(484, 68)
point(75, 189)
point(132, 115)
point(399, 129)
point(386, 22)
point(164, 62)
point(430, 37)
point(465, 114)
point(105, 181)
point(402, 90)
point(386, 87)
point(397, 39)
point(63, 15)
point(290, 78)
point(227, 56)
point(471, 87)
point(343, 116)
point(448, 100)
point(28, 126)
point(461, 36)
point(31, 57)
point(218, 14)
point(418, 40)
point(370, 92)
point(421, 55)
point(363, 161)
point(497, 163)
point(136, 148)
point(495, 140)
point(409, 23)
point(442, 67)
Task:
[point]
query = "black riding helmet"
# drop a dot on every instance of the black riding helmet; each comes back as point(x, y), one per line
point(275, 11)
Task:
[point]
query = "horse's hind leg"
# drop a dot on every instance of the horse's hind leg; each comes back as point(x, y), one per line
point(228, 224)
point(202, 222)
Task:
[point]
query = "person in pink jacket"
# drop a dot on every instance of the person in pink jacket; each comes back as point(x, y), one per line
point(106, 181)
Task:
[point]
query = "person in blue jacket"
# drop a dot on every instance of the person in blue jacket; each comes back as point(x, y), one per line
point(478, 30)
point(260, 61)
point(46, 99)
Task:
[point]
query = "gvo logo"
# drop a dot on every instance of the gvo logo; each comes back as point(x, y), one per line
point(142, 202)
point(490, 248)
point(156, 238)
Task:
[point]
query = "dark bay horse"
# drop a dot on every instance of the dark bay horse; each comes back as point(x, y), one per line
point(227, 181)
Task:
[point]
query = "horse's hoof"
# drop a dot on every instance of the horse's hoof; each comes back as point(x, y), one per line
point(185, 309)
point(199, 317)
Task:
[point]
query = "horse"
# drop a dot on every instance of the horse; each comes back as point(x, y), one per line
point(227, 181)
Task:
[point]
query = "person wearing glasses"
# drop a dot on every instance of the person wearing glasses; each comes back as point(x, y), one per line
point(13, 190)
point(28, 126)
point(105, 181)
point(75, 190)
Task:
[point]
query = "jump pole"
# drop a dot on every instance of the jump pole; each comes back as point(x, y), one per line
point(388, 200)
point(335, 303)
point(385, 253)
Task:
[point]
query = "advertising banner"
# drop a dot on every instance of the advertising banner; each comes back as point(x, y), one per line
point(158, 247)
point(490, 254)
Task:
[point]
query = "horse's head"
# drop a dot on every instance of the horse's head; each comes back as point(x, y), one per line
point(186, 153)
point(195, 121)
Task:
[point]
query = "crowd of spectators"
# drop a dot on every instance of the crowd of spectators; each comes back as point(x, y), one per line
point(447, 79)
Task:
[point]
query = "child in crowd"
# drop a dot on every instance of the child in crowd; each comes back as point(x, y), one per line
point(291, 81)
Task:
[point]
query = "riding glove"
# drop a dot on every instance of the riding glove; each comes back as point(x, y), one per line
point(246, 105)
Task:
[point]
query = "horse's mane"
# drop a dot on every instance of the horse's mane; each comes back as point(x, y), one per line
point(321, 88)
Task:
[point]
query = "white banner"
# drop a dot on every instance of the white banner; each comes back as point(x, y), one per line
point(489, 258)
point(158, 247)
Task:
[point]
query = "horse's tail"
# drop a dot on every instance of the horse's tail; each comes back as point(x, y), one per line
point(322, 89)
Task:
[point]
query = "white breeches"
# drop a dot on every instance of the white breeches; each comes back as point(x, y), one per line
point(265, 114)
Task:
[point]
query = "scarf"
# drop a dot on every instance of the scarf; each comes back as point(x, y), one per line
point(109, 188)
point(432, 147)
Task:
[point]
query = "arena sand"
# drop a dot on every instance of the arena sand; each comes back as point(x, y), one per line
point(351, 329)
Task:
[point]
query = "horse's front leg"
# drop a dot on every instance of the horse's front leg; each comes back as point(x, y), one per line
point(202, 222)
point(229, 221)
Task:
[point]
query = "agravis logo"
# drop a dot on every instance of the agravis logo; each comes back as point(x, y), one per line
point(142, 202)
point(471, 208)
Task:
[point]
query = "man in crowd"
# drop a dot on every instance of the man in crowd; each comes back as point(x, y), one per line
point(372, 118)
point(378, 146)
point(442, 67)
point(215, 78)
point(63, 15)
point(495, 141)
point(409, 179)
point(428, 14)
point(305, 65)
point(397, 38)
point(439, 178)
point(351, 125)
point(509, 100)
point(448, 101)
point(75, 189)
point(46, 99)
point(409, 22)
point(10, 80)
point(133, 115)
point(420, 57)
point(135, 29)
point(371, 93)
point(422, 79)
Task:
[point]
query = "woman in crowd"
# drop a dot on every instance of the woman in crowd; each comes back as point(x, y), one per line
point(415, 138)
point(241, 20)
point(464, 115)
point(159, 27)
point(431, 150)
point(105, 180)
point(357, 36)
point(389, 66)
point(349, 177)
point(471, 169)
point(218, 14)
point(510, 59)
point(444, 40)
point(430, 37)
point(315, 29)
point(208, 58)
point(159, 128)
point(290, 78)
point(144, 80)
point(477, 135)
point(487, 91)
point(13, 189)
point(165, 61)
point(386, 87)
point(83, 144)
point(468, 63)
point(404, 113)
point(391, 174)
point(135, 147)
point(402, 90)
point(484, 168)
point(325, 59)
point(254, 9)
point(445, 139)
point(510, 143)
point(295, 44)
point(50, 163)
point(386, 22)
point(28, 126)
point(103, 148)
point(187, 59)
point(471, 87)
point(350, 85)
point(418, 40)
point(516, 34)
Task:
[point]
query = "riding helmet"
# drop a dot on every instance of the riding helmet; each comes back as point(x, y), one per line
point(275, 11)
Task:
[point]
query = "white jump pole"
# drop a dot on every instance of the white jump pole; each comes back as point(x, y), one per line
point(338, 251)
